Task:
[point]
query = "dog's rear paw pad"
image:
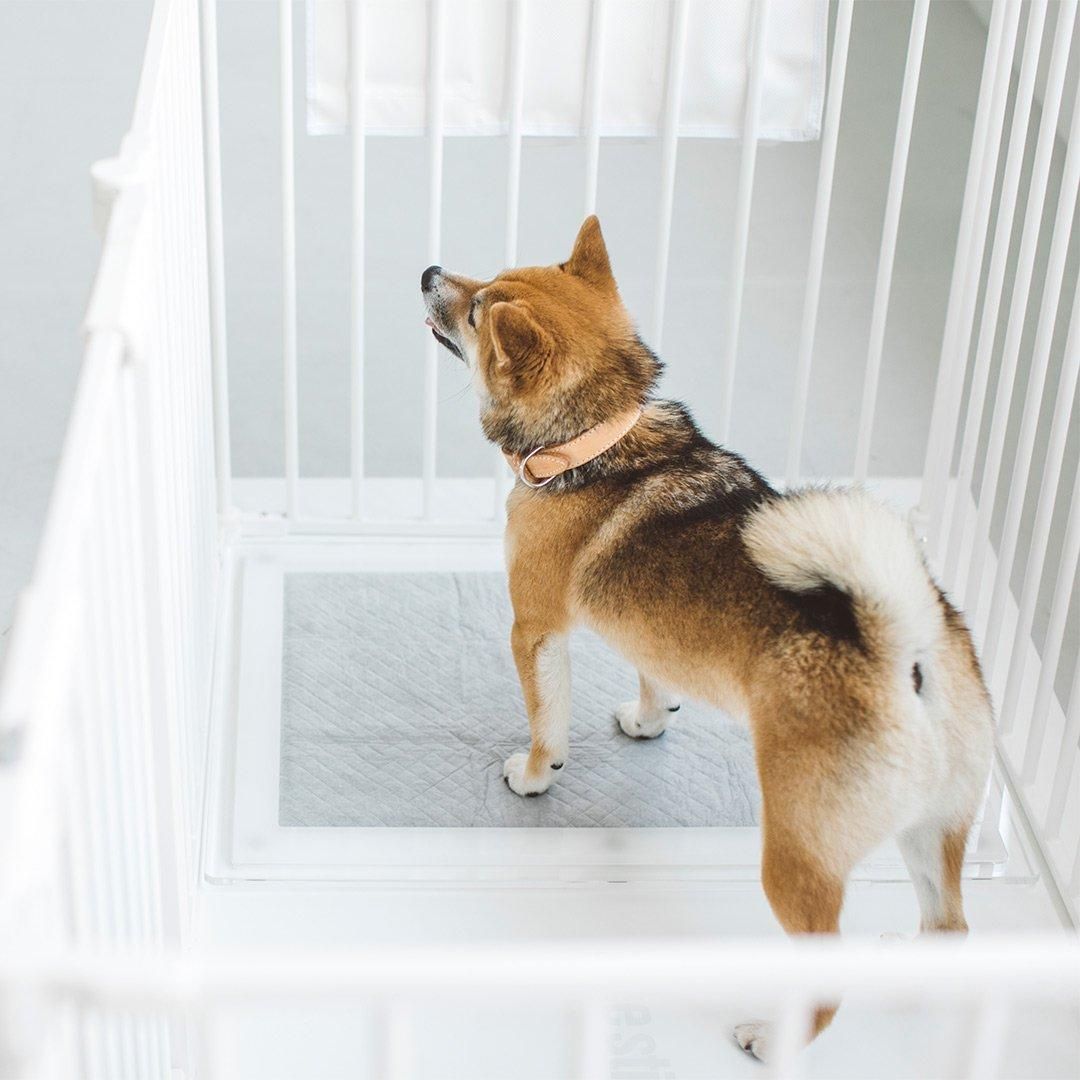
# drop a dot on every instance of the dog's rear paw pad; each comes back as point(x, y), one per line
point(753, 1037)
point(641, 725)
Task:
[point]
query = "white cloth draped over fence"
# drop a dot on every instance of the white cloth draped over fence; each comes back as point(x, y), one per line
point(634, 59)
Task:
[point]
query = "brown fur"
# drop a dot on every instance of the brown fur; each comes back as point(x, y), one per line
point(645, 545)
point(952, 857)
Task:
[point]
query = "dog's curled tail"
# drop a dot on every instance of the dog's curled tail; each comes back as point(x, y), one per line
point(846, 539)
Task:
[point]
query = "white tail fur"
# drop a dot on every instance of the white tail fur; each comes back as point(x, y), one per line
point(845, 538)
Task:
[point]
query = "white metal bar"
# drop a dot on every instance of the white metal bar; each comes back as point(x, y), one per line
point(965, 325)
point(162, 531)
point(115, 559)
point(1040, 967)
point(961, 342)
point(743, 205)
point(1025, 446)
point(1025, 265)
point(889, 231)
point(1017, 316)
point(393, 1043)
point(163, 542)
point(669, 154)
point(136, 561)
point(359, 229)
point(995, 279)
point(1044, 512)
point(594, 85)
point(209, 417)
point(951, 369)
point(288, 260)
point(174, 457)
point(100, 1036)
point(118, 564)
point(196, 369)
point(207, 1048)
point(149, 792)
point(517, 13)
point(435, 64)
point(177, 367)
point(819, 232)
point(115, 564)
point(343, 526)
point(72, 778)
point(792, 1034)
point(1063, 770)
point(987, 1038)
point(111, 840)
point(215, 248)
point(593, 1043)
point(1064, 585)
point(92, 1044)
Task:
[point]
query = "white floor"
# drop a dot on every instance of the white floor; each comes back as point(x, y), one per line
point(267, 887)
point(333, 1041)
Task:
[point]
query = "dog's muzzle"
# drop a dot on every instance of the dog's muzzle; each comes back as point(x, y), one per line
point(429, 288)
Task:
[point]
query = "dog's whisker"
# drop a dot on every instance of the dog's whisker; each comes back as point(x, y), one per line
point(460, 392)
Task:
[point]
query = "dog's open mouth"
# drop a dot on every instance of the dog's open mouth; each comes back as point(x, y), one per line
point(443, 340)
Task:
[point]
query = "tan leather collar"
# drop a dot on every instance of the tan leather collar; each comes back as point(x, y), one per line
point(542, 465)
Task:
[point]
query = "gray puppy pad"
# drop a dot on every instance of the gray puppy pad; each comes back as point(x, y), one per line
point(400, 703)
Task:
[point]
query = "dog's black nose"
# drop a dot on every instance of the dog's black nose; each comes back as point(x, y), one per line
point(428, 276)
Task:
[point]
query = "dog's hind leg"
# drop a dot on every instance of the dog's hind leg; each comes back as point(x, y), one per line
point(806, 898)
point(648, 716)
point(543, 663)
point(935, 858)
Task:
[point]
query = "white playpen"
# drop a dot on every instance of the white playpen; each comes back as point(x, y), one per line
point(121, 753)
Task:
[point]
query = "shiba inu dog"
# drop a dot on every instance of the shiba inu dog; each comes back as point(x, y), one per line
point(811, 613)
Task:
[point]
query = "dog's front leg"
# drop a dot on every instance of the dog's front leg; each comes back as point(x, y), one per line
point(543, 664)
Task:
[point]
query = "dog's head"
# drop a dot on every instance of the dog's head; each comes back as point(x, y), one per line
point(552, 349)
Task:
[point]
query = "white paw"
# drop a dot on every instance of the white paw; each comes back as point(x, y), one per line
point(514, 772)
point(643, 725)
point(753, 1037)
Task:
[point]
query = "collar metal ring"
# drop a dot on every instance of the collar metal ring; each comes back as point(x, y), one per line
point(523, 471)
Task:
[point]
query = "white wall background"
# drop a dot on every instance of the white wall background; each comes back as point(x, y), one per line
point(68, 71)
point(550, 214)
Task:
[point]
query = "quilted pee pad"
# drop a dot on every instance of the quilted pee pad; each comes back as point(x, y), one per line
point(400, 703)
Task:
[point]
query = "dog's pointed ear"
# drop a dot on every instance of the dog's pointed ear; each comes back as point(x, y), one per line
point(520, 342)
point(589, 259)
